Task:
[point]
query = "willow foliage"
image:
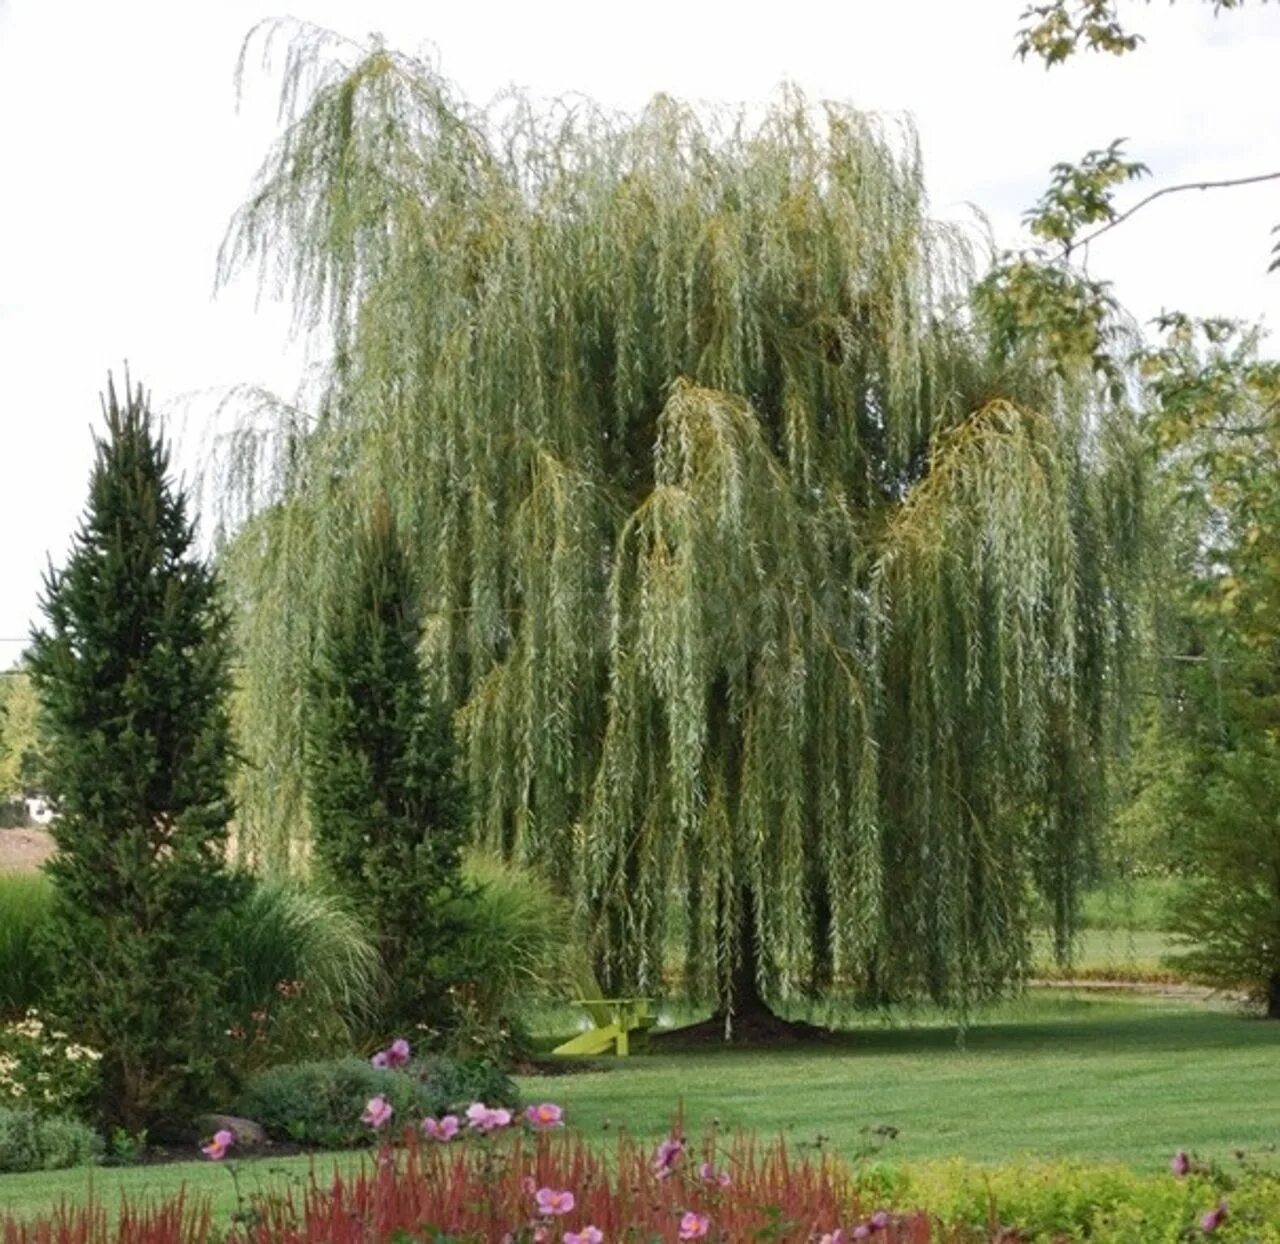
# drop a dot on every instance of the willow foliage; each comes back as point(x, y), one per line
point(775, 606)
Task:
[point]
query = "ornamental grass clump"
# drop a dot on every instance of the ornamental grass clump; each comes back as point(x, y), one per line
point(509, 1183)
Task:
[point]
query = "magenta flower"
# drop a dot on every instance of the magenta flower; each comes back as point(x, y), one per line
point(861, 1232)
point(1180, 1164)
point(551, 1201)
point(879, 1220)
point(694, 1226)
point(398, 1052)
point(588, 1235)
point(1214, 1218)
point(485, 1119)
point(443, 1130)
point(218, 1146)
point(377, 1112)
point(708, 1174)
point(669, 1153)
point(544, 1116)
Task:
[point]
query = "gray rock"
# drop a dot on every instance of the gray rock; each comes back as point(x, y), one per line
point(248, 1134)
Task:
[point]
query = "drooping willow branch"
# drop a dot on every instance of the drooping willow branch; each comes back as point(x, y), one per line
point(777, 610)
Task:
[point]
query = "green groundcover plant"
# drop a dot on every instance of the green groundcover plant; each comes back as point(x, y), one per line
point(37, 1142)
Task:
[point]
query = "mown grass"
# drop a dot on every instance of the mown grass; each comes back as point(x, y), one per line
point(28, 1194)
point(1091, 1078)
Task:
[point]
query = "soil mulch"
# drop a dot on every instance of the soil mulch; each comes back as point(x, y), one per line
point(751, 1029)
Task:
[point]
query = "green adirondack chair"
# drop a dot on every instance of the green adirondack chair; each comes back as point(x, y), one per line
point(613, 1022)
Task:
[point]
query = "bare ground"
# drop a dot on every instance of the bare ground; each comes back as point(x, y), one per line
point(24, 850)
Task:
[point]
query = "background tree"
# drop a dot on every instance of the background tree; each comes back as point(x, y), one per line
point(21, 765)
point(388, 813)
point(1042, 290)
point(779, 607)
point(132, 673)
point(1215, 418)
point(1205, 776)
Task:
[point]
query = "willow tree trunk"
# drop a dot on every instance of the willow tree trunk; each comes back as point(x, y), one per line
point(741, 1000)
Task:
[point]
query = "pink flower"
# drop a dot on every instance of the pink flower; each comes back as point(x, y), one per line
point(831, 1237)
point(879, 1220)
point(694, 1226)
point(1180, 1164)
point(484, 1119)
point(552, 1202)
point(395, 1055)
point(541, 1235)
point(378, 1112)
point(707, 1173)
point(529, 1184)
point(861, 1232)
point(218, 1146)
point(669, 1153)
point(588, 1235)
point(544, 1116)
point(443, 1130)
point(1214, 1218)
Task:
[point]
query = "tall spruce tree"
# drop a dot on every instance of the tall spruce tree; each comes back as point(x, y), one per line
point(387, 809)
point(773, 593)
point(132, 669)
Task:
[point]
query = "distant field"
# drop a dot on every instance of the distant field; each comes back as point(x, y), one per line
point(1106, 954)
point(24, 850)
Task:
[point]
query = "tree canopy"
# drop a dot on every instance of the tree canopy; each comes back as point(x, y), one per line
point(784, 604)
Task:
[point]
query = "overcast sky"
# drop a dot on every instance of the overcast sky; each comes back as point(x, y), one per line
point(122, 156)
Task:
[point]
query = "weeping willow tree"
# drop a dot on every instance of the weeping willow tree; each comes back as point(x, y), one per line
point(782, 613)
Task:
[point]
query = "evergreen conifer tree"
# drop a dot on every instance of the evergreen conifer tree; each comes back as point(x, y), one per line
point(132, 668)
point(387, 810)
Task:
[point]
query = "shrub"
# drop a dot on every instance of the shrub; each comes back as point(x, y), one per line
point(320, 1103)
point(1228, 917)
point(133, 675)
point(31, 1142)
point(43, 1070)
point(306, 974)
point(1044, 1203)
point(387, 810)
point(25, 903)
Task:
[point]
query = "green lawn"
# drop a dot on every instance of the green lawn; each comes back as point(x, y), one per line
point(29, 1194)
point(1054, 1075)
point(1091, 1078)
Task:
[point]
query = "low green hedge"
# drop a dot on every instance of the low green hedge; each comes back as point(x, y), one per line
point(320, 1103)
point(32, 1142)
